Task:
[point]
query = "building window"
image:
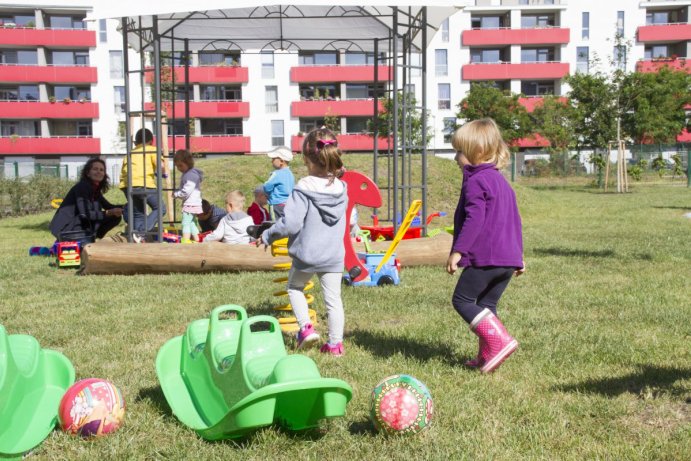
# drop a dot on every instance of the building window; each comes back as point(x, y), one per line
point(356, 125)
point(415, 64)
point(353, 58)
point(116, 66)
point(619, 55)
point(271, 99)
point(441, 68)
point(585, 25)
point(277, 137)
point(20, 128)
point(485, 56)
point(537, 88)
point(309, 124)
point(448, 129)
point(119, 99)
point(217, 58)
point(221, 93)
point(488, 22)
point(537, 55)
point(445, 30)
point(535, 21)
point(21, 57)
point(325, 58)
point(102, 31)
point(620, 23)
point(62, 92)
point(444, 96)
point(66, 22)
point(656, 51)
point(582, 59)
point(19, 93)
point(664, 17)
point(221, 126)
point(362, 90)
point(268, 64)
point(320, 91)
point(84, 128)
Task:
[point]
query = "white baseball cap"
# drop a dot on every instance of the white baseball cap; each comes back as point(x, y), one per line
point(282, 152)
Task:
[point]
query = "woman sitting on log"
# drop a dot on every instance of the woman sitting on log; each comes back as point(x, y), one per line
point(85, 213)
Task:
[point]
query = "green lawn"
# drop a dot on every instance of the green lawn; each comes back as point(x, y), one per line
point(603, 317)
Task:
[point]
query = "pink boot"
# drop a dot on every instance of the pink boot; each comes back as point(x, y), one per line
point(481, 354)
point(499, 344)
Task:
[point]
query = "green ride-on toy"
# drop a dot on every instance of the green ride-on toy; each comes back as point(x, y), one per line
point(226, 377)
point(32, 383)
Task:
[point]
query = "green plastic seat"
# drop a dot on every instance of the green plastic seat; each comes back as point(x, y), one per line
point(32, 383)
point(241, 378)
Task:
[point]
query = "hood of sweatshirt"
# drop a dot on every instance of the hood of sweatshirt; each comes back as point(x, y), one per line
point(194, 174)
point(331, 206)
point(238, 220)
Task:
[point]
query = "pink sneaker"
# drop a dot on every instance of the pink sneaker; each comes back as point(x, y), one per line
point(307, 337)
point(335, 350)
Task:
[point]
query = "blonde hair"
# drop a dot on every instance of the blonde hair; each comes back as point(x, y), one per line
point(321, 148)
point(235, 198)
point(480, 141)
point(184, 156)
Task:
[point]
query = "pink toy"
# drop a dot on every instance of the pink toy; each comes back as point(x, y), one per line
point(91, 407)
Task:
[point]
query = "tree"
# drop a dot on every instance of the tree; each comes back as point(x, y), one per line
point(593, 99)
point(553, 120)
point(655, 105)
point(412, 121)
point(485, 100)
point(332, 122)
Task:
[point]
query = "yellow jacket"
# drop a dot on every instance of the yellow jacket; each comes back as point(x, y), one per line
point(140, 162)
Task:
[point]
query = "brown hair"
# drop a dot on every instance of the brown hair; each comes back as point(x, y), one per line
point(321, 148)
point(184, 156)
point(105, 184)
point(480, 141)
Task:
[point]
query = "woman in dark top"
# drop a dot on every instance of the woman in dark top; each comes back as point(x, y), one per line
point(85, 208)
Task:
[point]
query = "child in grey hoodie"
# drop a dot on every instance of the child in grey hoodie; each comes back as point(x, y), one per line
point(314, 223)
point(233, 227)
point(190, 191)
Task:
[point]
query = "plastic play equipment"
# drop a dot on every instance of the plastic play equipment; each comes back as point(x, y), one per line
point(414, 231)
point(381, 270)
point(226, 377)
point(401, 404)
point(68, 254)
point(32, 382)
point(92, 407)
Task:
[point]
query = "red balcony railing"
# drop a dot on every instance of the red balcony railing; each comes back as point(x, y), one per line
point(362, 107)
point(313, 74)
point(664, 33)
point(535, 141)
point(655, 65)
point(214, 144)
point(78, 38)
point(507, 71)
point(203, 74)
point(47, 74)
point(206, 109)
point(685, 136)
point(347, 142)
point(50, 146)
point(60, 109)
point(484, 37)
point(532, 102)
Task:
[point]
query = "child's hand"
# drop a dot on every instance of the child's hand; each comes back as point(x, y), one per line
point(452, 262)
point(521, 271)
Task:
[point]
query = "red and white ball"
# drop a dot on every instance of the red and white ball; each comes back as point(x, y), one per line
point(92, 407)
point(401, 404)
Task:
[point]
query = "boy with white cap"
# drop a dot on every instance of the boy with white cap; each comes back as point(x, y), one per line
point(281, 182)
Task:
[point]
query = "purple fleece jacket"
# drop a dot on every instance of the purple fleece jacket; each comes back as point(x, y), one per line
point(487, 226)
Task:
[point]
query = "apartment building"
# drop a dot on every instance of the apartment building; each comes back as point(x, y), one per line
point(62, 79)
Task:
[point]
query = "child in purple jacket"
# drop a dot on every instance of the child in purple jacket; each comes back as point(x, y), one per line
point(487, 240)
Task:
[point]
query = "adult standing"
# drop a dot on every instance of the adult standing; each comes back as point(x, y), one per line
point(85, 210)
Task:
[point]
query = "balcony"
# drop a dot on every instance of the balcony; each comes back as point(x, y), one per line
point(206, 109)
point(685, 136)
point(47, 74)
point(507, 71)
point(316, 74)
point(360, 107)
point(347, 142)
point(530, 103)
point(483, 37)
point(204, 74)
point(535, 141)
point(65, 145)
point(654, 65)
point(214, 144)
point(664, 33)
point(37, 110)
point(77, 38)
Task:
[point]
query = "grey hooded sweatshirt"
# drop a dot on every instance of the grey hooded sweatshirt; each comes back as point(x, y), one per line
point(314, 223)
point(190, 187)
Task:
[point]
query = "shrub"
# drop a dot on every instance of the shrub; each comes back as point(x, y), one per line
point(30, 195)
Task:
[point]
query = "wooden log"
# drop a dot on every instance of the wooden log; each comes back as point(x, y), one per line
point(112, 257)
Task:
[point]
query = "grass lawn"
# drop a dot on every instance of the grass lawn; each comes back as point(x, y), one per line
point(603, 317)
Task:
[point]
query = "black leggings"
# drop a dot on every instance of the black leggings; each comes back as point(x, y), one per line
point(479, 288)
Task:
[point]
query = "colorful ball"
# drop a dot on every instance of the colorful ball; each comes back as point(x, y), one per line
point(91, 407)
point(401, 404)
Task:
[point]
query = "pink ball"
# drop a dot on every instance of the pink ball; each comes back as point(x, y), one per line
point(91, 407)
point(401, 404)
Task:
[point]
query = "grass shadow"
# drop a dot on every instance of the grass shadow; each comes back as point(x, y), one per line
point(155, 395)
point(364, 427)
point(685, 208)
point(39, 226)
point(555, 251)
point(384, 346)
point(647, 379)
